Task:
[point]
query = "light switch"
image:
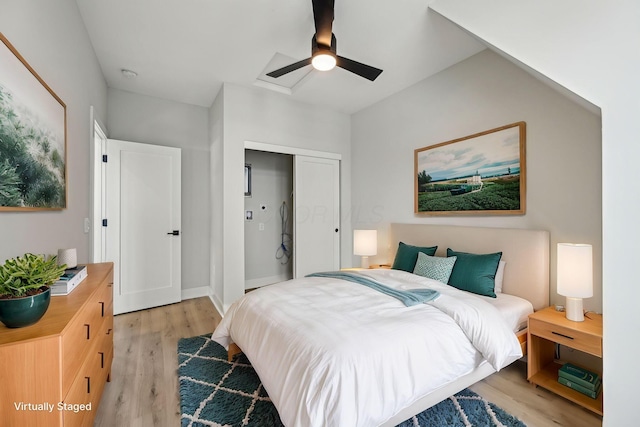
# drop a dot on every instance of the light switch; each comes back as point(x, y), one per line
point(87, 225)
point(261, 226)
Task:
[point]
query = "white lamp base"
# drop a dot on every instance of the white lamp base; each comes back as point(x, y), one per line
point(364, 263)
point(574, 310)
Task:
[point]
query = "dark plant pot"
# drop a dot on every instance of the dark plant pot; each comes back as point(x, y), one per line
point(19, 312)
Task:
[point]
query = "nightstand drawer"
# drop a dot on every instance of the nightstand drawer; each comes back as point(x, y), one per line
point(569, 337)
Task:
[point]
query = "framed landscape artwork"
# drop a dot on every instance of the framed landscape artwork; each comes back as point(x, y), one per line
point(33, 137)
point(480, 174)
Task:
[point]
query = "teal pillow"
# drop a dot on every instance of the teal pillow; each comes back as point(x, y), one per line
point(475, 272)
point(436, 268)
point(407, 256)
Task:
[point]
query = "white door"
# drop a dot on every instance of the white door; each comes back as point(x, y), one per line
point(316, 232)
point(143, 224)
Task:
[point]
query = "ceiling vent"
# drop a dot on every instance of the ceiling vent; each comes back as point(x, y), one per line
point(287, 83)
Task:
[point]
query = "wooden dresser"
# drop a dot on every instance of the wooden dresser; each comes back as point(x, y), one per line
point(52, 373)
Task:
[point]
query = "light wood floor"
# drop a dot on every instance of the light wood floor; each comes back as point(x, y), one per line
point(144, 387)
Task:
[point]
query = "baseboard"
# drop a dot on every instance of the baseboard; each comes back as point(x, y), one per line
point(191, 293)
point(217, 304)
point(263, 281)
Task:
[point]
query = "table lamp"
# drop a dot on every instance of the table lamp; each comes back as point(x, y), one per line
point(365, 244)
point(575, 277)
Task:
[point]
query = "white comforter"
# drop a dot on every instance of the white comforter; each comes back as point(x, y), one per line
point(333, 353)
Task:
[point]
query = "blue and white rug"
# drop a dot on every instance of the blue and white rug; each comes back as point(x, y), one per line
point(215, 392)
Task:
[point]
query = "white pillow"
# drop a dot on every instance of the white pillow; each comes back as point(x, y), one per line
point(499, 276)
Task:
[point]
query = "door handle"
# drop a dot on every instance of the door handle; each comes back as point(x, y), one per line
point(174, 233)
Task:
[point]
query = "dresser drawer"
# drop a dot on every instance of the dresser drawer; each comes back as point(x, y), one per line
point(82, 333)
point(105, 347)
point(89, 382)
point(78, 402)
point(569, 337)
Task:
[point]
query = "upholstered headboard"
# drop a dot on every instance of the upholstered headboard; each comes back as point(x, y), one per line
point(526, 253)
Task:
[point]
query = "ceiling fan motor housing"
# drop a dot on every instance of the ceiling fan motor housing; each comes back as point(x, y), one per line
point(322, 48)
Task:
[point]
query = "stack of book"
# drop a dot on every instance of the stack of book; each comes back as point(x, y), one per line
point(69, 280)
point(581, 380)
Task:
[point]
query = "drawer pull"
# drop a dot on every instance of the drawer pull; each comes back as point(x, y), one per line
point(562, 335)
point(88, 384)
point(109, 331)
point(88, 331)
point(101, 359)
point(101, 308)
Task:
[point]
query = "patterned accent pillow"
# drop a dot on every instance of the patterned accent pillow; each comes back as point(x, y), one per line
point(435, 268)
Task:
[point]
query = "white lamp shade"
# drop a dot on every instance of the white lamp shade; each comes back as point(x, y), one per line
point(575, 270)
point(365, 242)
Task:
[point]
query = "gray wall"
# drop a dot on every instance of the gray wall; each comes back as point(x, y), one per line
point(564, 173)
point(52, 39)
point(217, 189)
point(149, 120)
point(272, 184)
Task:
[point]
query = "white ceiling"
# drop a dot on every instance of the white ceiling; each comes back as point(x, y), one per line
point(183, 50)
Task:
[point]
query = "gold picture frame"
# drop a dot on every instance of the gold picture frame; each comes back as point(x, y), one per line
point(33, 138)
point(479, 174)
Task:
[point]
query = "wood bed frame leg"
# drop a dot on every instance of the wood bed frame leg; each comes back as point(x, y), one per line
point(522, 339)
point(233, 350)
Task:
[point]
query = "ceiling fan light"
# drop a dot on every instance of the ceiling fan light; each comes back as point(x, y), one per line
point(323, 61)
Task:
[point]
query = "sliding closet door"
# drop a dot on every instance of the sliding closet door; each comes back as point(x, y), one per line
point(316, 189)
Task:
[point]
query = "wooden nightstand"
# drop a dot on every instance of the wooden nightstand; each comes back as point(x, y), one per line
point(548, 327)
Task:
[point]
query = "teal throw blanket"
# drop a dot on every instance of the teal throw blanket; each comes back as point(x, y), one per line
point(409, 297)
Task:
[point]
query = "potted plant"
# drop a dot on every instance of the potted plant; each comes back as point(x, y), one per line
point(25, 288)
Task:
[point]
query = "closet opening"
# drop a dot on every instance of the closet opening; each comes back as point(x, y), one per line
point(268, 218)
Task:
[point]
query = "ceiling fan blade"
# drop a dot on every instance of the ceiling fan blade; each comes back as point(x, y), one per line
point(289, 68)
point(323, 18)
point(363, 70)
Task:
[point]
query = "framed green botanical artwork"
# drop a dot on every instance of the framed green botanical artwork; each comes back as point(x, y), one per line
point(33, 138)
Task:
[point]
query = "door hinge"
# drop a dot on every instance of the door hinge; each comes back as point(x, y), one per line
point(104, 222)
point(104, 158)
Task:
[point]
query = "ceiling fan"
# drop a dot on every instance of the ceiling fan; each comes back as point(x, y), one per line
point(323, 48)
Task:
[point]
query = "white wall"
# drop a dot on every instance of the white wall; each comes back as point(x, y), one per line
point(563, 154)
point(150, 120)
point(252, 114)
point(591, 49)
point(216, 207)
point(271, 184)
point(53, 40)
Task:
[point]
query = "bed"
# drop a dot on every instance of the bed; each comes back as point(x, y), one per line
point(331, 352)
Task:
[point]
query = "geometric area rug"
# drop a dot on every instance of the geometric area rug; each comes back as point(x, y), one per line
point(215, 393)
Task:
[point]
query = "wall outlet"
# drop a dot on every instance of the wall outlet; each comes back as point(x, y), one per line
point(87, 225)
